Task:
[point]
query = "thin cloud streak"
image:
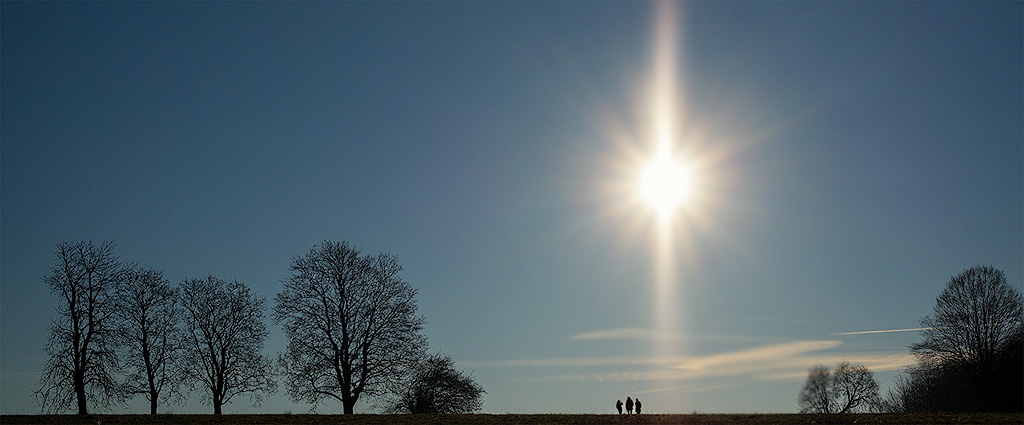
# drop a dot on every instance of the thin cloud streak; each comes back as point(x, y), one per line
point(882, 331)
point(916, 329)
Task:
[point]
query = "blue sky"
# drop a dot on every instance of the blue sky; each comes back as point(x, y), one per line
point(857, 154)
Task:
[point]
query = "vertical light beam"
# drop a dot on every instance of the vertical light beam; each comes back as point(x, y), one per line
point(665, 113)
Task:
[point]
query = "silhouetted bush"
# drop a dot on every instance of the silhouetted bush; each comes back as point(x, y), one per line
point(435, 387)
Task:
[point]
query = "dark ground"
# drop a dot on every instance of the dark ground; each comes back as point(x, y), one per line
point(695, 419)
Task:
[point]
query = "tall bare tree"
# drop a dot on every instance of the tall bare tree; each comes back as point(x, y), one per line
point(975, 333)
point(351, 325)
point(224, 334)
point(148, 326)
point(850, 388)
point(82, 350)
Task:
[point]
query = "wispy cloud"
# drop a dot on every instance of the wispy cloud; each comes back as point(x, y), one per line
point(876, 362)
point(628, 334)
point(785, 361)
point(789, 360)
point(755, 357)
point(643, 334)
point(684, 389)
point(575, 362)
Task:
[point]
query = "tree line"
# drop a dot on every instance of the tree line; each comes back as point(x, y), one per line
point(351, 322)
point(970, 358)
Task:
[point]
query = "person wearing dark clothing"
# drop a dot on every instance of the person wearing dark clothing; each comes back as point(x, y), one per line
point(637, 406)
point(618, 406)
point(629, 405)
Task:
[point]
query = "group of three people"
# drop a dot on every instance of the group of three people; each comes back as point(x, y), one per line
point(629, 405)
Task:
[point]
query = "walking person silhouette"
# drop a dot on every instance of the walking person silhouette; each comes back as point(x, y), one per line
point(618, 406)
point(629, 405)
point(637, 406)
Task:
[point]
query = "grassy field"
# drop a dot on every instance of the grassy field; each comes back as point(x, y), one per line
point(695, 419)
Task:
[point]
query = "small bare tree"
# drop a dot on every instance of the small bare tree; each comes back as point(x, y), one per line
point(850, 388)
point(436, 387)
point(224, 334)
point(351, 325)
point(82, 350)
point(148, 325)
point(855, 388)
point(816, 396)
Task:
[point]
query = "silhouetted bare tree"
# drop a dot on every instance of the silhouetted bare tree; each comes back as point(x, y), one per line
point(224, 335)
point(856, 388)
point(816, 397)
point(148, 326)
point(351, 325)
point(970, 345)
point(850, 388)
point(435, 387)
point(82, 350)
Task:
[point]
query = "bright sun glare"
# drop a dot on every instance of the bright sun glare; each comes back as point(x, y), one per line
point(664, 183)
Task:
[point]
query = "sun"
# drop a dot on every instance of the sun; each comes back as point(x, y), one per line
point(664, 183)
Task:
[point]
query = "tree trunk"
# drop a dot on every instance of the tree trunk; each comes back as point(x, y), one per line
point(81, 403)
point(80, 393)
point(150, 375)
point(217, 403)
point(348, 400)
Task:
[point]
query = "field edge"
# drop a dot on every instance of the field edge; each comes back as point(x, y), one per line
point(509, 419)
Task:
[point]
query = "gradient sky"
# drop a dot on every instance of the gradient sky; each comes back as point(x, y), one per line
point(857, 154)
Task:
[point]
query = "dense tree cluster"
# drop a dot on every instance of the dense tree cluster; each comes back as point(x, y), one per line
point(119, 333)
point(971, 355)
point(122, 331)
point(970, 359)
